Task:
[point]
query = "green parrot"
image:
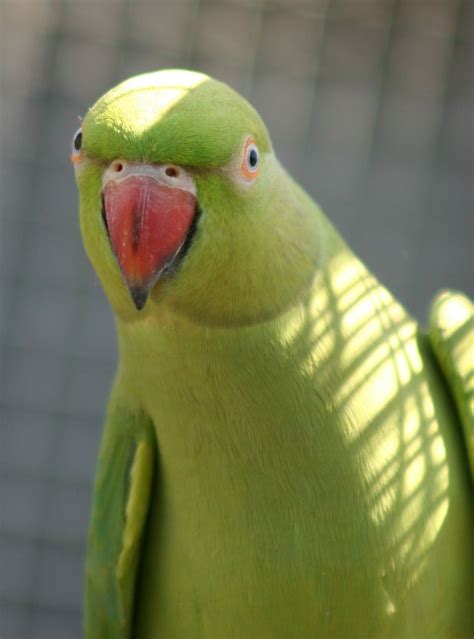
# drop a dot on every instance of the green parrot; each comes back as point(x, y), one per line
point(286, 453)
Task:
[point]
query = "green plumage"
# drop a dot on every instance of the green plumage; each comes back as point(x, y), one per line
point(284, 452)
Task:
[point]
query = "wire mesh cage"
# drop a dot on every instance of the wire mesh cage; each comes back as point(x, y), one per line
point(368, 103)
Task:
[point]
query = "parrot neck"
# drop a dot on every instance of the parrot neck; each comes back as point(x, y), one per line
point(266, 400)
point(168, 355)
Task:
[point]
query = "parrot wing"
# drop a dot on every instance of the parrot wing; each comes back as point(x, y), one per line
point(120, 506)
point(451, 331)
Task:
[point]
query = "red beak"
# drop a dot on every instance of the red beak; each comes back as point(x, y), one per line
point(147, 222)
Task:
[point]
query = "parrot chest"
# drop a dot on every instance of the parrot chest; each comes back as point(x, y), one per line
point(253, 525)
point(255, 497)
point(266, 519)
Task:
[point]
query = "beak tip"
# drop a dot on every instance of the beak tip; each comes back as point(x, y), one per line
point(139, 296)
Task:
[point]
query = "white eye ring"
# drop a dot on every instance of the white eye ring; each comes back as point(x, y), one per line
point(252, 157)
point(76, 143)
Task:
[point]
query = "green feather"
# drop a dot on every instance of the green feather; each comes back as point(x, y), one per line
point(311, 479)
point(121, 499)
point(452, 336)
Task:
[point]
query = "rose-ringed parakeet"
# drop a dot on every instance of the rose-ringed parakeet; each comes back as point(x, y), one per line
point(285, 453)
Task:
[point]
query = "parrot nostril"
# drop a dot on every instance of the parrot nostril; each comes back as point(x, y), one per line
point(171, 171)
point(118, 167)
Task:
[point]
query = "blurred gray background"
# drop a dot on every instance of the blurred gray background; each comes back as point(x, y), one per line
point(369, 105)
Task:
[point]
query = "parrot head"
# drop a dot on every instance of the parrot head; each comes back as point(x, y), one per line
point(183, 203)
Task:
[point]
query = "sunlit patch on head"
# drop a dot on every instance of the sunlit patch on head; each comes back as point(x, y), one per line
point(170, 78)
point(165, 88)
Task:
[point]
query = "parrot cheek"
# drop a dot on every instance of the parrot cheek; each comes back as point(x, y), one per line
point(147, 223)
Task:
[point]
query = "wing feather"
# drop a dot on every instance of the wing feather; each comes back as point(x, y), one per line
point(451, 331)
point(120, 506)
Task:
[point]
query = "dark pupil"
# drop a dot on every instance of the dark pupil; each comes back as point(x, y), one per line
point(78, 141)
point(253, 158)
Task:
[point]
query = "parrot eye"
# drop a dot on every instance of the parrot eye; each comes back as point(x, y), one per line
point(252, 158)
point(77, 140)
point(250, 161)
point(76, 145)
